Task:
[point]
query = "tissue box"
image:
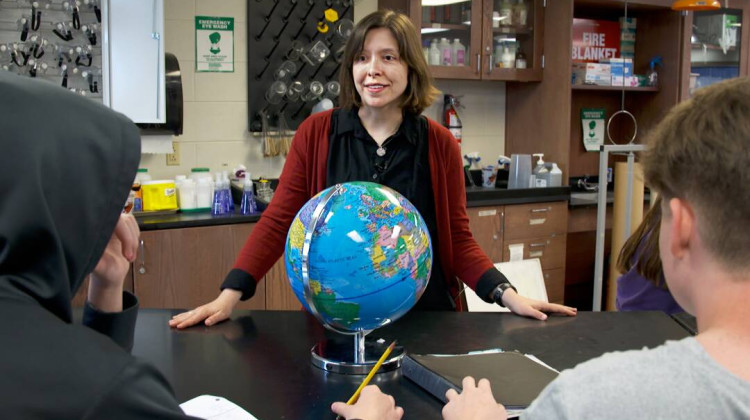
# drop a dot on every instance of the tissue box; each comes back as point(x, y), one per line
point(592, 74)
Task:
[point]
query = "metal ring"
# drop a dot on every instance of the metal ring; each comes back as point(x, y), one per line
point(635, 125)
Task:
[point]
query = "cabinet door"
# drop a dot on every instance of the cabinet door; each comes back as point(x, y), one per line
point(550, 250)
point(133, 53)
point(512, 38)
point(486, 224)
point(535, 220)
point(183, 268)
point(450, 26)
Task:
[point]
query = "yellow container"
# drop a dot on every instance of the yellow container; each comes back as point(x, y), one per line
point(159, 195)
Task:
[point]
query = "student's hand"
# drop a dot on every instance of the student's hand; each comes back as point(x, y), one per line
point(474, 403)
point(371, 405)
point(105, 286)
point(213, 312)
point(531, 308)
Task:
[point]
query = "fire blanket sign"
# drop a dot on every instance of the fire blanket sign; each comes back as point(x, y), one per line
point(595, 40)
point(214, 44)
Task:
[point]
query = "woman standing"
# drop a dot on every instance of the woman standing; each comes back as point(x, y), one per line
point(378, 135)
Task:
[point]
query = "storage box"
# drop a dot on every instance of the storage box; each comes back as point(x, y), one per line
point(592, 74)
point(595, 40)
point(627, 81)
point(159, 195)
point(620, 67)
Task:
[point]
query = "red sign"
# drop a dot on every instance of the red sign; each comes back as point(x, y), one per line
point(595, 40)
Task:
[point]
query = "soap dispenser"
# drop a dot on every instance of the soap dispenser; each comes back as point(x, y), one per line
point(540, 172)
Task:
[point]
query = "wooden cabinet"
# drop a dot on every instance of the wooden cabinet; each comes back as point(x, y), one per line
point(183, 268)
point(540, 228)
point(486, 224)
point(485, 29)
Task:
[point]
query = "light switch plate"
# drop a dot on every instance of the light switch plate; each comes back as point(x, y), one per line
point(173, 159)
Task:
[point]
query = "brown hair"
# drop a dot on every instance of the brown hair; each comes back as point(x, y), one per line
point(700, 152)
point(420, 92)
point(642, 248)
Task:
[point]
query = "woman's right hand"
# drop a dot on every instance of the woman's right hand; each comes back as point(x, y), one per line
point(213, 312)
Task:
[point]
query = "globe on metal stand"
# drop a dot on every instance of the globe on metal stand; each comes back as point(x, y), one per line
point(358, 257)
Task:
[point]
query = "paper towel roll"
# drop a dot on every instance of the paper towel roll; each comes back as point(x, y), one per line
point(619, 236)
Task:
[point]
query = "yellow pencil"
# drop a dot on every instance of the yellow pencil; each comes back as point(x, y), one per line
point(372, 373)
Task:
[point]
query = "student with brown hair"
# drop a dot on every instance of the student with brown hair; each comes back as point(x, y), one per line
point(378, 135)
point(641, 287)
point(699, 161)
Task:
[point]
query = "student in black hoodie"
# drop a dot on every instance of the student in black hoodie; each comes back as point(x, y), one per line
point(67, 164)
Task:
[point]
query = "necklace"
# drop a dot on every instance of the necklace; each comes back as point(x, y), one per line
point(381, 151)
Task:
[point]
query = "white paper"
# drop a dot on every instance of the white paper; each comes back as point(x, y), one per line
point(525, 275)
point(516, 252)
point(156, 144)
point(215, 408)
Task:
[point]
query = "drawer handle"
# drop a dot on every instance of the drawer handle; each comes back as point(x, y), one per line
point(142, 270)
point(533, 222)
point(537, 245)
point(541, 210)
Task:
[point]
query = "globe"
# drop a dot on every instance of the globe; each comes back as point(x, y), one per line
point(358, 256)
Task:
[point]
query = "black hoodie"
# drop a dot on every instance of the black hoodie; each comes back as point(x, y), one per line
point(66, 164)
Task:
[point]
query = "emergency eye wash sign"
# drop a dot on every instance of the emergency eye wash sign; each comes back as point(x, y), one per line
point(595, 40)
point(214, 44)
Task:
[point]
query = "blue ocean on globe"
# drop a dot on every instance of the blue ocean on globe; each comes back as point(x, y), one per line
point(370, 256)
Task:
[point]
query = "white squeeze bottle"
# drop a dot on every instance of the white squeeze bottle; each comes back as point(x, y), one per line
point(459, 53)
point(435, 56)
point(555, 176)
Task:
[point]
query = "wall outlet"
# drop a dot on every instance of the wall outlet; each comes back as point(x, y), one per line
point(173, 159)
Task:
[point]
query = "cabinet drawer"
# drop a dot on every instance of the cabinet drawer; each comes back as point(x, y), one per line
point(554, 282)
point(550, 250)
point(535, 220)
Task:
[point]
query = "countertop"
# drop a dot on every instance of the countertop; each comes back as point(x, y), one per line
point(475, 197)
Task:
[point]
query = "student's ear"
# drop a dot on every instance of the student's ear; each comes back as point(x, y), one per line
point(682, 227)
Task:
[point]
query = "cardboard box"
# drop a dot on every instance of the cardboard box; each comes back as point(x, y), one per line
point(627, 81)
point(595, 40)
point(592, 74)
point(620, 67)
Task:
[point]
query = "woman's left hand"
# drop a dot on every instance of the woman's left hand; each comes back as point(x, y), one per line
point(531, 308)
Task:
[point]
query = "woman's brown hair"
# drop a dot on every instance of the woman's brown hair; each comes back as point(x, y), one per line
point(420, 92)
point(642, 248)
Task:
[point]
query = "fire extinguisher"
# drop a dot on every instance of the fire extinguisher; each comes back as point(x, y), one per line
point(452, 120)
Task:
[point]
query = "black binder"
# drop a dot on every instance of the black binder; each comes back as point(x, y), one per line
point(516, 380)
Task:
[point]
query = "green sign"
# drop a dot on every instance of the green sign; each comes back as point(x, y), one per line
point(214, 44)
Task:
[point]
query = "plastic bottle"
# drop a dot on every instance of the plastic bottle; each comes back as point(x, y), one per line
point(508, 59)
point(434, 53)
point(217, 206)
point(506, 13)
point(520, 13)
point(540, 173)
point(203, 193)
point(652, 77)
point(446, 52)
point(520, 60)
point(459, 53)
point(452, 120)
point(140, 177)
point(248, 204)
point(186, 195)
point(555, 176)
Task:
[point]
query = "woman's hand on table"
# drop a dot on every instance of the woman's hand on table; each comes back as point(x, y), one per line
point(531, 308)
point(475, 402)
point(213, 312)
point(372, 404)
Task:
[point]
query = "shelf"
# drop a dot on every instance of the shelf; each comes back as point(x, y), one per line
point(513, 30)
point(456, 26)
point(713, 47)
point(616, 88)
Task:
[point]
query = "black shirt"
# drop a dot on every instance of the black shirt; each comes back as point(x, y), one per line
point(404, 167)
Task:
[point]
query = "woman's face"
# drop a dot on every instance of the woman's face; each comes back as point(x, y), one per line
point(380, 76)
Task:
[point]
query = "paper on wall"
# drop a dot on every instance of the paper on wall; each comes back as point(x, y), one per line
point(592, 128)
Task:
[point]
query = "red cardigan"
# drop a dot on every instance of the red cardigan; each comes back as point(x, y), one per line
point(304, 175)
